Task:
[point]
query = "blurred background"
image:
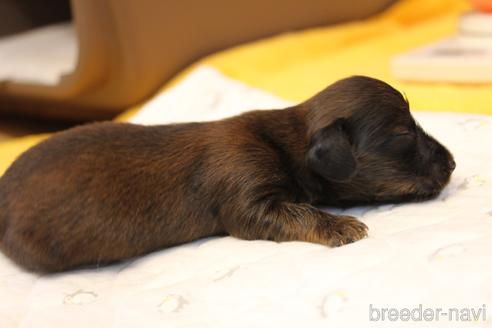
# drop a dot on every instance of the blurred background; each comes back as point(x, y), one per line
point(64, 63)
point(67, 62)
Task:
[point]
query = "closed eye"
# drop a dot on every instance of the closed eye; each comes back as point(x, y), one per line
point(404, 134)
point(405, 131)
point(402, 140)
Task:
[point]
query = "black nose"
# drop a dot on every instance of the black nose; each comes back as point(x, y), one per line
point(452, 165)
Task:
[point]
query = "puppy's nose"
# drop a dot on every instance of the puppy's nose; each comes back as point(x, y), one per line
point(452, 165)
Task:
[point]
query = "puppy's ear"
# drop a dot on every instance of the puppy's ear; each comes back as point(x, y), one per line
point(330, 154)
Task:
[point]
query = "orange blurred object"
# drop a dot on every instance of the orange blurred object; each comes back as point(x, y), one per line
point(483, 5)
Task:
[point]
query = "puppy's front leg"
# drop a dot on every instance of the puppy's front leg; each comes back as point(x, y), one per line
point(286, 221)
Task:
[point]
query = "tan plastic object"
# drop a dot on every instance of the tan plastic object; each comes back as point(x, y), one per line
point(129, 48)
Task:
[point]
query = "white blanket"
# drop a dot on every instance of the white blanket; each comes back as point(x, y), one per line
point(418, 256)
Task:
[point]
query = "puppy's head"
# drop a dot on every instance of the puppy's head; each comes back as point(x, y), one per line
point(365, 144)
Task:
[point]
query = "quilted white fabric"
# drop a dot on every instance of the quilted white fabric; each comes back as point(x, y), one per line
point(429, 255)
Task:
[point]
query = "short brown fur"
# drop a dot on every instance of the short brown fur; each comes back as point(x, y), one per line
point(106, 192)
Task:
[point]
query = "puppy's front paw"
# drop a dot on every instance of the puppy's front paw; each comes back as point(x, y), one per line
point(341, 230)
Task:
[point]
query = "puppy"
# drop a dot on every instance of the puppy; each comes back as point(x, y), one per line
point(105, 192)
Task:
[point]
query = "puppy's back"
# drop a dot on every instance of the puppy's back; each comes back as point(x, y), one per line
point(111, 189)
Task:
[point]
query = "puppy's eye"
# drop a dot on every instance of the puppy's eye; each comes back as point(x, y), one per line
point(408, 134)
point(403, 132)
point(401, 140)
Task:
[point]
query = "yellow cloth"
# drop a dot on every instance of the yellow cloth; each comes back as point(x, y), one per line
point(297, 65)
point(9, 150)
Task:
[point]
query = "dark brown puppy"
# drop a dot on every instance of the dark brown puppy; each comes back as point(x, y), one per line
point(109, 191)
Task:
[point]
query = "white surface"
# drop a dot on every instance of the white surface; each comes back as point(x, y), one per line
point(205, 95)
point(476, 23)
point(458, 59)
point(39, 56)
point(435, 253)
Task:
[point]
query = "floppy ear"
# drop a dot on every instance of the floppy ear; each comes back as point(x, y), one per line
point(330, 154)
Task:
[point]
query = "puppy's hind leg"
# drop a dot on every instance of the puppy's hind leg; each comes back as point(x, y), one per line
point(290, 221)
